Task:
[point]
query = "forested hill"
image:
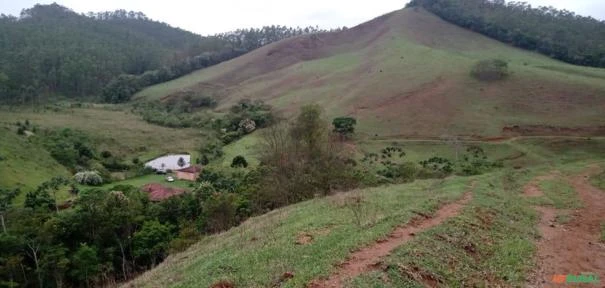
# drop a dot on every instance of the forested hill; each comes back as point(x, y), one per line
point(49, 51)
point(559, 34)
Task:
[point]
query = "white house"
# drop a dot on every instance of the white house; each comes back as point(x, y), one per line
point(169, 162)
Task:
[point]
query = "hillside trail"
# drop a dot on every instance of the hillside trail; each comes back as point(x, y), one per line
point(573, 248)
point(368, 258)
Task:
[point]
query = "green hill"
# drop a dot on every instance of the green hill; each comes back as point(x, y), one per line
point(24, 164)
point(51, 50)
point(406, 73)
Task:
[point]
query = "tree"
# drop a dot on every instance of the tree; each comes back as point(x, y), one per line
point(6, 200)
point(151, 242)
point(204, 160)
point(309, 130)
point(239, 161)
point(85, 264)
point(181, 162)
point(345, 126)
point(88, 178)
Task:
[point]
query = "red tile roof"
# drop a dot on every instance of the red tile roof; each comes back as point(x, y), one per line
point(158, 192)
point(191, 169)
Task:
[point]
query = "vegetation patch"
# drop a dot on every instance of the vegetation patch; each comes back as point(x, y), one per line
point(598, 181)
point(490, 70)
point(560, 193)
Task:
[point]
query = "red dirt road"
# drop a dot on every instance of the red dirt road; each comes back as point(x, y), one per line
point(366, 258)
point(573, 248)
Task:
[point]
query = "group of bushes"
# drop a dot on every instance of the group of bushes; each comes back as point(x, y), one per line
point(395, 169)
point(244, 118)
point(176, 113)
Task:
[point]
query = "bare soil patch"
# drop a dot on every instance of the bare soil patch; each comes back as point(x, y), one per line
point(572, 248)
point(532, 189)
point(368, 258)
point(547, 130)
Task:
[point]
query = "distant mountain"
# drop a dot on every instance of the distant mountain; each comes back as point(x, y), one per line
point(51, 50)
point(407, 73)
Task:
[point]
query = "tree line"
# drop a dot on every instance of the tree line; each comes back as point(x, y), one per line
point(559, 34)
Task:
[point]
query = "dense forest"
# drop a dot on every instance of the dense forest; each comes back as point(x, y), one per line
point(51, 51)
point(559, 34)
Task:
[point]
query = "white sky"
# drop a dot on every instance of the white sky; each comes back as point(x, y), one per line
point(215, 16)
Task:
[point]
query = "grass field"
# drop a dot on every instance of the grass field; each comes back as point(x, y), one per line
point(599, 181)
point(113, 129)
point(147, 179)
point(23, 164)
point(247, 147)
point(406, 73)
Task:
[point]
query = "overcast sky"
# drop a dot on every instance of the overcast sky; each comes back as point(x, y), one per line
point(210, 17)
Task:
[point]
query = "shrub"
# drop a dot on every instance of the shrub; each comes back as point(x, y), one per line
point(435, 167)
point(230, 136)
point(106, 154)
point(490, 70)
point(239, 161)
point(345, 126)
point(88, 178)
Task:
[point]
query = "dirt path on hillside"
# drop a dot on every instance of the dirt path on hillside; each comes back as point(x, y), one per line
point(573, 248)
point(367, 258)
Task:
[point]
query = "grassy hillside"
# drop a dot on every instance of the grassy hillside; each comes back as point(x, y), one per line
point(23, 164)
point(405, 73)
point(489, 244)
point(114, 129)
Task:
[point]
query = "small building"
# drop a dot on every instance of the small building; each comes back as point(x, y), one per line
point(158, 192)
point(190, 173)
point(170, 162)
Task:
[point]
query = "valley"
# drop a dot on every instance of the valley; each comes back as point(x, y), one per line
point(411, 150)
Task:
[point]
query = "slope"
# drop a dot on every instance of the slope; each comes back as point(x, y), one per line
point(24, 164)
point(404, 74)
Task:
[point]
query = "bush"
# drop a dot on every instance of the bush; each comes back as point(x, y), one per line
point(490, 70)
point(230, 137)
point(239, 161)
point(405, 172)
point(88, 178)
point(436, 167)
point(106, 154)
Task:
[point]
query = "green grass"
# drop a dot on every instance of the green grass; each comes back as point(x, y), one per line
point(260, 250)
point(560, 194)
point(247, 146)
point(598, 181)
point(489, 244)
point(147, 179)
point(25, 165)
point(114, 129)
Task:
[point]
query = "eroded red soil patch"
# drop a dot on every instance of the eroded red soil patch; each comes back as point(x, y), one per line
point(572, 248)
point(368, 258)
